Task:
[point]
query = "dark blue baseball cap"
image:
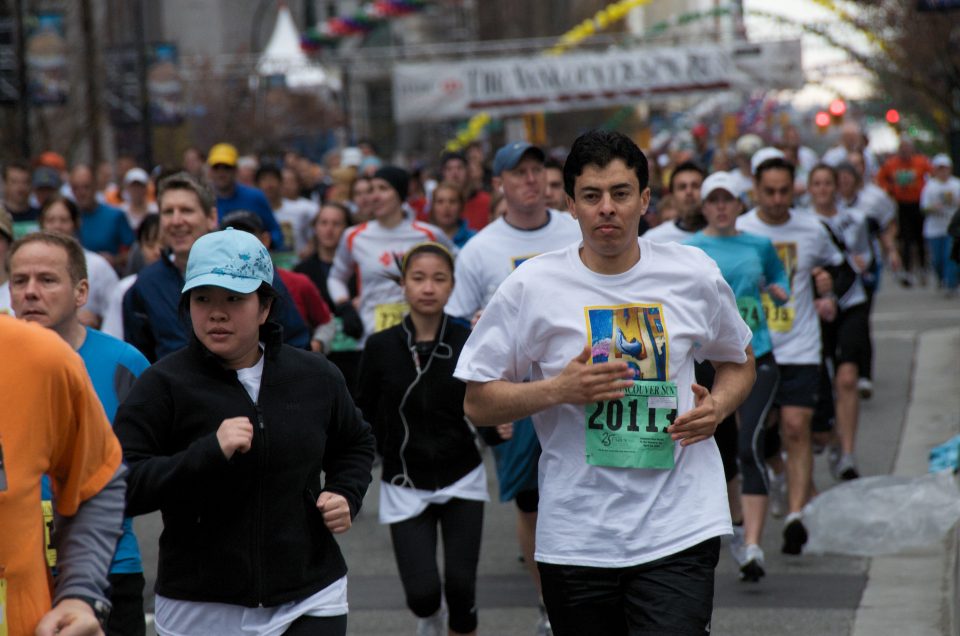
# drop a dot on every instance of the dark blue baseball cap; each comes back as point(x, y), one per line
point(510, 155)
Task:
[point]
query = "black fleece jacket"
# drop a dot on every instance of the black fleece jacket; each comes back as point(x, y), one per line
point(429, 435)
point(244, 531)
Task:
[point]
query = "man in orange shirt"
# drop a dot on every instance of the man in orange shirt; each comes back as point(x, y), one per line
point(903, 176)
point(54, 424)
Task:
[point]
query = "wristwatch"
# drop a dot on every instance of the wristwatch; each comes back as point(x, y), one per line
point(100, 609)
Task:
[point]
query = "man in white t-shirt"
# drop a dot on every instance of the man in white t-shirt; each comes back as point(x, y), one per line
point(632, 506)
point(807, 253)
point(939, 201)
point(295, 216)
point(685, 182)
point(527, 229)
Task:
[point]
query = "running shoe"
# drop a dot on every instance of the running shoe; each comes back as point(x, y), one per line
point(834, 454)
point(543, 625)
point(751, 570)
point(435, 625)
point(847, 469)
point(865, 388)
point(778, 493)
point(794, 535)
point(737, 545)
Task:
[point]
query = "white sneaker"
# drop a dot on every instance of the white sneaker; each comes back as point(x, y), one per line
point(833, 460)
point(778, 493)
point(435, 625)
point(543, 625)
point(737, 545)
point(751, 569)
point(865, 388)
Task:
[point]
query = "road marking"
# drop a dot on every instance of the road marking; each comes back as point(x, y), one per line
point(890, 316)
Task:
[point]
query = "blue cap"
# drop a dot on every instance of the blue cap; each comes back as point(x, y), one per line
point(510, 155)
point(231, 259)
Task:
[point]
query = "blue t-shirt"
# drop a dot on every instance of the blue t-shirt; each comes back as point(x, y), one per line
point(252, 200)
point(105, 229)
point(113, 366)
point(749, 263)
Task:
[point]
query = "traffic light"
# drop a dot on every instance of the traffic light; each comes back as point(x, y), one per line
point(893, 117)
point(837, 109)
point(822, 120)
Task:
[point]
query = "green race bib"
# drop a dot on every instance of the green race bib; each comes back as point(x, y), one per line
point(632, 432)
point(751, 311)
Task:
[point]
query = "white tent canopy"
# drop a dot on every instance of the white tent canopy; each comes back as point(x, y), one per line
point(283, 56)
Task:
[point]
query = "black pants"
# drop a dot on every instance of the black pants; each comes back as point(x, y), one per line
point(318, 626)
point(751, 436)
point(126, 596)
point(415, 547)
point(910, 222)
point(672, 596)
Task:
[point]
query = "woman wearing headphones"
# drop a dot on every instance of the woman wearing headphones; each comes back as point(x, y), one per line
point(433, 475)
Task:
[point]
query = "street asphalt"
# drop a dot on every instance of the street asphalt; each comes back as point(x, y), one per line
point(917, 343)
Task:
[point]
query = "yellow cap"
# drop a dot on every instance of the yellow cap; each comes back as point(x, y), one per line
point(223, 155)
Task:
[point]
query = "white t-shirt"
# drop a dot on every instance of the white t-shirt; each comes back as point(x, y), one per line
point(802, 243)
point(838, 154)
point(5, 306)
point(498, 249)
point(850, 226)
point(113, 315)
point(185, 618)
point(295, 217)
point(372, 252)
point(675, 307)
point(398, 503)
point(135, 221)
point(250, 377)
point(667, 232)
point(102, 279)
point(939, 201)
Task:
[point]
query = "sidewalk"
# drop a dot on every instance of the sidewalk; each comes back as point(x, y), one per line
point(916, 593)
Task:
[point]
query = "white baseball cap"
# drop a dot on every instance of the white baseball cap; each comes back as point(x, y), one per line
point(941, 161)
point(718, 181)
point(136, 175)
point(763, 155)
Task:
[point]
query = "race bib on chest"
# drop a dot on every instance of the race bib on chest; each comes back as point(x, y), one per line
point(751, 311)
point(779, 319)
point(51, 552)
point(632, 432)
point(388, 315)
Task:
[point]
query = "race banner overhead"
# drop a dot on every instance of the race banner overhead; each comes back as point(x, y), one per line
point(517, 85)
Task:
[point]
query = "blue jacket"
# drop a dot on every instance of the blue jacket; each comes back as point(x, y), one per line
point(252, 200)
point(151, 313)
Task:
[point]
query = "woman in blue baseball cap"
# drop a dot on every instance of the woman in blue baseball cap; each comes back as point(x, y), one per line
point(254, 453)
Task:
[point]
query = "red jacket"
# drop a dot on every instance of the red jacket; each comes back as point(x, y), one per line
point(903, 179)
point(306, 297)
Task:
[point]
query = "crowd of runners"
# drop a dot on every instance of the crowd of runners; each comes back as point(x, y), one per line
point(653, 351)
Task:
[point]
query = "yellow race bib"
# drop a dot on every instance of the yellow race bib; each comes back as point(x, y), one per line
point(388, 315)
point(779, 319)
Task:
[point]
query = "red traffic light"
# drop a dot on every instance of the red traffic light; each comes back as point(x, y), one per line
point(893, 116)
point(838, 107)
point(822, 119)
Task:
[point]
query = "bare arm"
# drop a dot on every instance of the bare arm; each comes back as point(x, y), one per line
point(499, 401)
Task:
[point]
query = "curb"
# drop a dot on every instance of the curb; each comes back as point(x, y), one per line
point(916, 593)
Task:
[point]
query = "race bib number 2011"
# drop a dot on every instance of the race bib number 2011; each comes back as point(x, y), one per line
point(632, 432)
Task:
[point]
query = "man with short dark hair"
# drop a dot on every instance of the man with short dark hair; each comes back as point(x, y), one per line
point(808, 256)
point(476, 211)
point(556, 197)
point(151, 319)
point(632, 497)
point(685, 182)
point(231, 195)
point(48, 275)
point(16, 198)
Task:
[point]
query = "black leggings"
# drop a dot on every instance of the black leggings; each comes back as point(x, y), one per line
point(753, 414)
point(415, 546)
point(910, 237)
point(318, 626)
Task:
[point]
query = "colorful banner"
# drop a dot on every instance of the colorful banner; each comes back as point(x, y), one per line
point(518, 85)
point(46, 46)
point(360, 22)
